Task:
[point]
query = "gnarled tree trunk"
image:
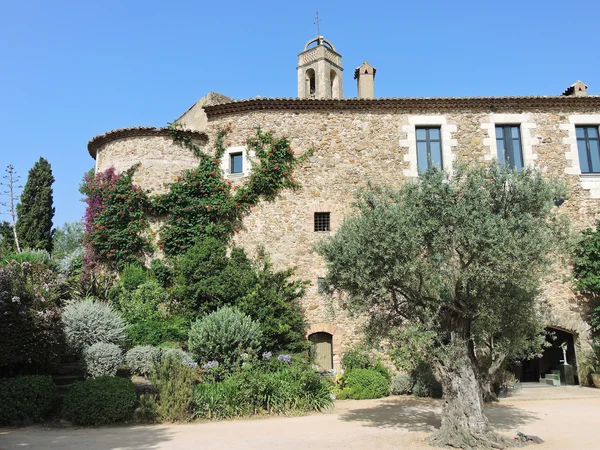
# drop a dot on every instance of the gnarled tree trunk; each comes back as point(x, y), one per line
point(464, 424)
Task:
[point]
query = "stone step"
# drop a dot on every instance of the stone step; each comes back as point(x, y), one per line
point(70, 368)
point(62, 380)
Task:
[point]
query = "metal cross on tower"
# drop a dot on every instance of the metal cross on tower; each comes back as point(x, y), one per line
point(318, 23)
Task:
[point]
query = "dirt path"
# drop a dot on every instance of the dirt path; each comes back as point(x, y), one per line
point(565, 419)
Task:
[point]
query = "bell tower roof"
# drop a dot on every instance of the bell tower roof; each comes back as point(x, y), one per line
point(320, 40)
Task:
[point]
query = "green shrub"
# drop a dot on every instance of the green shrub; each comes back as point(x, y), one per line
point(356, 357)
point(425, 384)
point(89, 321)
point(174, 381)
point(26, 399)
point(382, 369)
point(146, 302)
point(156, 332)
point(222, 400)
point(102, 360)
point(224, 336)
point(29, 255)
point(364, 383)
point(31, 336)
point(132, 276)
point(142, 359)
point(401, 384)
point(99, 401)
point(263, 387)
point(177, 353)
point(162, 272)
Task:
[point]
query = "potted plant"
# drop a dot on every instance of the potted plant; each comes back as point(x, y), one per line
point(589, 365)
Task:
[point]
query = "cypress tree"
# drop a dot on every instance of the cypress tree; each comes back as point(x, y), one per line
point(35, 212)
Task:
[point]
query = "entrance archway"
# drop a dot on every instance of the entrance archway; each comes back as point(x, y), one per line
point(531, 370)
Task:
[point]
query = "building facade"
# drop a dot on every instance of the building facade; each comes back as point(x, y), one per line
point(382, 140)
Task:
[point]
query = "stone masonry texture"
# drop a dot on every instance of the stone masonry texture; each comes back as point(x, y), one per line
point(352, 148)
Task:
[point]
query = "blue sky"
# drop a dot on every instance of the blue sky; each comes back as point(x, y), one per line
point(74, 69)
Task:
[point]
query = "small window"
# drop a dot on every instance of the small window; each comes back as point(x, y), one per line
point(236, 163)
point(429, 148)
point(589, 149)
point(322, 221)
point(321, 285)
point(508, 141)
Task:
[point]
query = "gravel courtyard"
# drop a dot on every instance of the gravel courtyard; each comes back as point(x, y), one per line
point(565, 418)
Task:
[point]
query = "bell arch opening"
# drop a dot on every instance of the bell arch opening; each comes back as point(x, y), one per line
point(310, 82)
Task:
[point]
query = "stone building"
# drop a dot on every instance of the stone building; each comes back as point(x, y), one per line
point(385, 140)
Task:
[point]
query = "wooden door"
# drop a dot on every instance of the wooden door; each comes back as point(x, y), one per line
point(322, 349)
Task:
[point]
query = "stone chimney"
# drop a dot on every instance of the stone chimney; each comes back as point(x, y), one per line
point(577, 89)
point(365, 76)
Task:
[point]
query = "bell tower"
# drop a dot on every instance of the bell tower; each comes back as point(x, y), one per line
point(320, 70)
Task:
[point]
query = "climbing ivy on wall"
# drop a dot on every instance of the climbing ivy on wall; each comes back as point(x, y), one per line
point(199, 204)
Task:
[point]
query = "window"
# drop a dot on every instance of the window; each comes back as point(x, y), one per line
point(588, 148)
point(429, 148)
point(321, 286)
point(508, 141)
point(236, 163)
point(322, 221)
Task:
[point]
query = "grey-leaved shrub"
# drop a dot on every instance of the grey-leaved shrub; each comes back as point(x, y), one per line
point(89, 321)
point(142, 359)
point(224, 336)
point(102, 360)
point(401, 384)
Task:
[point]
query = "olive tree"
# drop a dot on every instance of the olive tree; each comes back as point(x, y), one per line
point(441, 253)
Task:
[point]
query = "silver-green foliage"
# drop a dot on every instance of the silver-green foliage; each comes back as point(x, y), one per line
point(142, 359)
point(224, 336)
point(102, 360)
point(401, 384)
point(89, 321)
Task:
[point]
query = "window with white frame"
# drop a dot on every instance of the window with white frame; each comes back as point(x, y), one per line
point(429, 148)
point(235, 162)
point(588, 148)
point(434, 146)
point(508, 143)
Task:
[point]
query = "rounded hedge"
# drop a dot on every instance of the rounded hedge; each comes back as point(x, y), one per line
point(223, 336)
point(365, 383)
point(99, 401)
point(89, 321)
point(142, 359)
point(102, 360)
point(26, 399)
point(402, 384)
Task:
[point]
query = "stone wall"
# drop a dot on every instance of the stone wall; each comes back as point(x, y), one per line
point(352, 148)
point(161, 160)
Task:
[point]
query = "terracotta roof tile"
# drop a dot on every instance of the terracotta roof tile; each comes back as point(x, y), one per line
point(405, 104)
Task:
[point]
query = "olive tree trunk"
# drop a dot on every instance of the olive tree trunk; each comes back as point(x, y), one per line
point(464, 424)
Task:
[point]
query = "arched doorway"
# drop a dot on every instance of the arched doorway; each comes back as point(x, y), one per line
point(322, 349)
point(531, 370)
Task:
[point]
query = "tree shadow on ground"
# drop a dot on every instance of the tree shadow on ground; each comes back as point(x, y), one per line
point(103, 438)
point(424, 414)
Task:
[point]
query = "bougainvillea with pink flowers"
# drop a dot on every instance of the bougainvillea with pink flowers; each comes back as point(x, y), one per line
point(116, 229)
